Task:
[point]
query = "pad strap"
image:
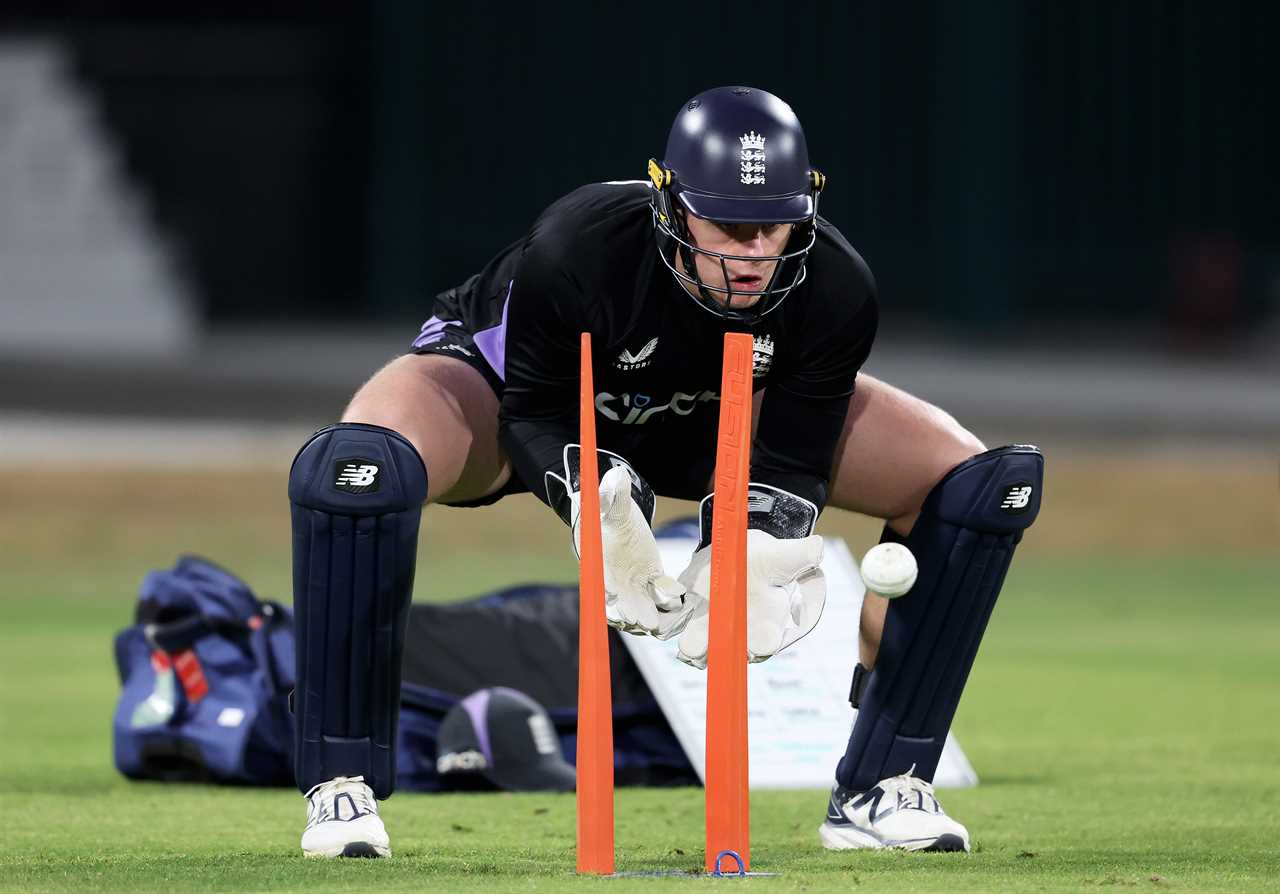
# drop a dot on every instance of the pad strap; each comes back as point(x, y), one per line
point(859, 684)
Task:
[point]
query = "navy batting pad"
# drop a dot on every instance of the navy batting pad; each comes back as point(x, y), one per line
point(357, 494)
point(963, 542)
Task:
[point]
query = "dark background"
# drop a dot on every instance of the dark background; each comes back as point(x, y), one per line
point(1003, 166)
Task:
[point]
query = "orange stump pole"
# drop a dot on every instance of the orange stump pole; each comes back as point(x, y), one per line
point(595, 699)
point(728, 810)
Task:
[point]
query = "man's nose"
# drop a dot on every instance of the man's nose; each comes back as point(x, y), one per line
point(754, 246)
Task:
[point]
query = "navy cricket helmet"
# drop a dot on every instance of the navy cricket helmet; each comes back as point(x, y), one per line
point(735, 155)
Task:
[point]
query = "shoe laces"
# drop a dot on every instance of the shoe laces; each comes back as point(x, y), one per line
point(322, 798)
point(909, 788)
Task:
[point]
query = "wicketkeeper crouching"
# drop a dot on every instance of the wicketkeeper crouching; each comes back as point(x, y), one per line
point(724, 235)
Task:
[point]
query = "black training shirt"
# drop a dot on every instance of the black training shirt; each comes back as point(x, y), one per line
point(590, 264)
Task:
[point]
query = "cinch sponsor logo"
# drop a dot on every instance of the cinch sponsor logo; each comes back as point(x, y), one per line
point(637, 409)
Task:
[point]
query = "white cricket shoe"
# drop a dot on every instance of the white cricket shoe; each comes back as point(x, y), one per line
point(343, 821)
point(901, 812)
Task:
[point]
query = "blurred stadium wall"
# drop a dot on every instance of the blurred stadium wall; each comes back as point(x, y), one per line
point(1078, 196)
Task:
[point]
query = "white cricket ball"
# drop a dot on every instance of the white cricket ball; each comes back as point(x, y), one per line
point(889, 569)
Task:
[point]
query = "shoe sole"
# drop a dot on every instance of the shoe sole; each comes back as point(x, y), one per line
point(849, 838)
point(948, 844)
point(351, 849)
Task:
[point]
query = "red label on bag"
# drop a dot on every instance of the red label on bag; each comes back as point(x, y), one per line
point(191, 675)
point(159, 661)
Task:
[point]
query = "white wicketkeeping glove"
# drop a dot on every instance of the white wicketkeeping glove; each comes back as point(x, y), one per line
point(786, 589)
point(640, 597)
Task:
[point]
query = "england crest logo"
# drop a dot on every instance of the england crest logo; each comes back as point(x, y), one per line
point(752, 155)
point(761, 355)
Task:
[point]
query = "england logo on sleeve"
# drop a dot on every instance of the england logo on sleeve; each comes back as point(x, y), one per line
point(356, 476)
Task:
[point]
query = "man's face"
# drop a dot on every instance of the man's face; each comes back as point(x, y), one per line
point(749, 240)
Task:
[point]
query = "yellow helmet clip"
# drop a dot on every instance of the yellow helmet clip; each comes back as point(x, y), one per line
point(660, 176)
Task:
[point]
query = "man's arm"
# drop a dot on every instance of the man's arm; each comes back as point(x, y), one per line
point(544, 315)
point(539, 431)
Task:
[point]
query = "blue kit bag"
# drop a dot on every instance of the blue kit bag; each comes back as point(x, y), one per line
point(206, 672)
point(207, 668)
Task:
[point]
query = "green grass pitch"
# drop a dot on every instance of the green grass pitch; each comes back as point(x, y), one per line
point(1124, 717)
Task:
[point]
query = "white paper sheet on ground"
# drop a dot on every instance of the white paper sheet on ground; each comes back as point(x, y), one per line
point(799, 714)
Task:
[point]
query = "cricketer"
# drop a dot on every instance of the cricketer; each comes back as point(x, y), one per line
point(723, 235)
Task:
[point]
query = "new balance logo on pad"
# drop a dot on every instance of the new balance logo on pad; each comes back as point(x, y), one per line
point(356, 476)
point(1016, 499)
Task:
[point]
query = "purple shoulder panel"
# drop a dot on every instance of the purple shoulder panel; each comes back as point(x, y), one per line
point(492, 342)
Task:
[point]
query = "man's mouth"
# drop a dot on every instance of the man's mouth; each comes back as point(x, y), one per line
point(748, 281)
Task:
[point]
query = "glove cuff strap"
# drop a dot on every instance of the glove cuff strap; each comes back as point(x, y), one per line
point(560, 491)
point(769, 509)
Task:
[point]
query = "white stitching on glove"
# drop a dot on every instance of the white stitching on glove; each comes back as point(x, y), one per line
point(786, 592)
